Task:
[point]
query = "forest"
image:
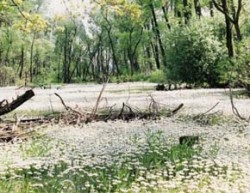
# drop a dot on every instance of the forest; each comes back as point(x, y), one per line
point(198, 42)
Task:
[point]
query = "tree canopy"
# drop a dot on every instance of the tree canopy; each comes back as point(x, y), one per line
point(200, 42)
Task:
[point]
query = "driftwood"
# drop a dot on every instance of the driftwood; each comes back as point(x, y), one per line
point(8, 107)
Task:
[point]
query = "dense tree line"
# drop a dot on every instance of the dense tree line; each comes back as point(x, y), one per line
point(199, 42)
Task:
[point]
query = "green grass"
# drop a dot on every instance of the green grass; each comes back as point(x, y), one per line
point(210, 119)
point(38, 147)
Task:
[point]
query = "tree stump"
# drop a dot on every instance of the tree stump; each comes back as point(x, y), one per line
point(160, 87)
point(188, 140)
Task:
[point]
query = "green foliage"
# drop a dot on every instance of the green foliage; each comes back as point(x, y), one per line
point(7, 76)
point(193, 54)
point(36, 148)
point(157, 76)
point(121, 41)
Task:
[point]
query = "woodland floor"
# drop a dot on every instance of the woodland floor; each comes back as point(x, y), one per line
point(224, 137)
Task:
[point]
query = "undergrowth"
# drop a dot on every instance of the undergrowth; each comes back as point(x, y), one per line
point(154, 161)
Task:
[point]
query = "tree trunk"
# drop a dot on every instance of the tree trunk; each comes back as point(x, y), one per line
point(236, 17)
point(31, 56)
point(166, 17)
point(21, 64)
point(158, 34)
point(197, 7)
point(187, 11)
point(156, 55)
point(115, 61)
point(65, 58)
point(211, 8)
point(148, 54)
point(229, 36)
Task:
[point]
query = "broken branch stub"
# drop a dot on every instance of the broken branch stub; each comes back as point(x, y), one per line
point(8, 107)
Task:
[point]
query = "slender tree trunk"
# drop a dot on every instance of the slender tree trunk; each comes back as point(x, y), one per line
point(65, 58)
point(21, 62)
point(211, 8)
point(9, 43)
point(197, 7)
point(156, 55)
point(165, 14)
point(132, 51)
point(158, 34)
point(187, 11)
point(238, 31)
point(31, 56)
point(229, 36)
point(148, 54)
point(236, 17)
point(115, 60)
point(230, 48)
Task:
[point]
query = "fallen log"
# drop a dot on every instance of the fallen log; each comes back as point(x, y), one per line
point(8, 107)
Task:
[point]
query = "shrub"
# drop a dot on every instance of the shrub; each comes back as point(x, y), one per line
point(193, 53)
point(7, 76)
point(157, 76)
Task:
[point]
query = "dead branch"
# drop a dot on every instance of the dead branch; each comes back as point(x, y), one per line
point(210, 109)
point(2, 102)
point(153, 106)
point(202, 114)
point(68, 108)
point(8, 107)
point(110, 113)
point(93, 113)
point(177, 109)
point(234, 108)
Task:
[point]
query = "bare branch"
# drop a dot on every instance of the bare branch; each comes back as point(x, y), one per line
point(210, 109)
point(177, 109)
point(93, 113)
point(235, 110)
point(68, 108)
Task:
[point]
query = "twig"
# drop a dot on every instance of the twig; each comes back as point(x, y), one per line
point(210, 109)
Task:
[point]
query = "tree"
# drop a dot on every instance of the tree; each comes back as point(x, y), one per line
point(232, 17)
point(193, 55)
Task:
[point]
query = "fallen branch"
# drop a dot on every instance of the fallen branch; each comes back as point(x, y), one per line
point(68, 108)
point(210, 109)
point(234, 109)
point(8, 107)
point(177, 109)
